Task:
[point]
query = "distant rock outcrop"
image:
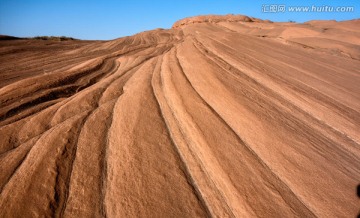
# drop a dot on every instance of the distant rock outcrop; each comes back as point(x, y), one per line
point(215, 19)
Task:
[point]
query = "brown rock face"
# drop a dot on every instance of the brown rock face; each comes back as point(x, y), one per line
point(232, 117)
point(214, 19)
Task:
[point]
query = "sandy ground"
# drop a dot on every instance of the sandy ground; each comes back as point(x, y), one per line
point(218, 117)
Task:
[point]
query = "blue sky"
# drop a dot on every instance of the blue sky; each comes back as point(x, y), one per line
point(109, 19)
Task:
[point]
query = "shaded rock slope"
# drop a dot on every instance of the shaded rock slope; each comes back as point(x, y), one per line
point(220, 116)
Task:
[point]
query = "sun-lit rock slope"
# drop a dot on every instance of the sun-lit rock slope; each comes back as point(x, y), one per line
point(220, 116)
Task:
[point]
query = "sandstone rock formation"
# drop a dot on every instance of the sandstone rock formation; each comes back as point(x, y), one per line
point(218, 117)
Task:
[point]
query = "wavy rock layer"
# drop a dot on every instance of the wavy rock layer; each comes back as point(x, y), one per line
point(217, 119)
